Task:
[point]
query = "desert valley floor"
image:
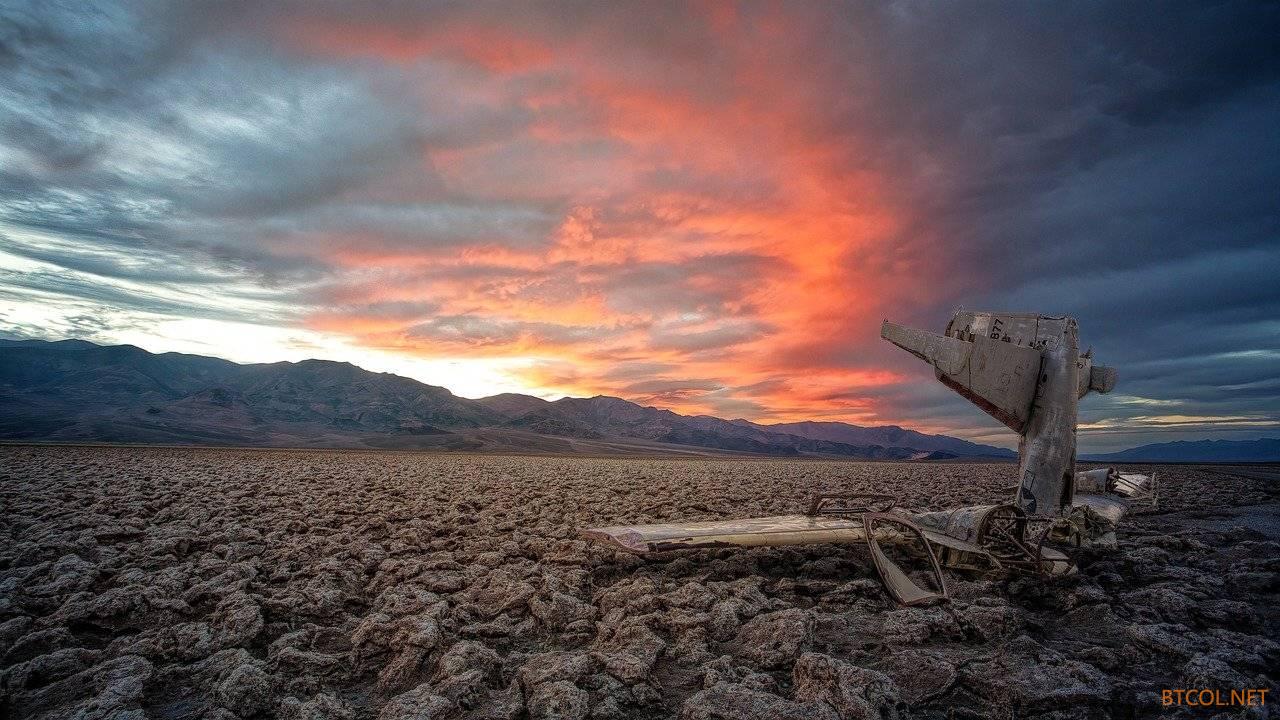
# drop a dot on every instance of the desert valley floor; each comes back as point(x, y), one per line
point(216, 584)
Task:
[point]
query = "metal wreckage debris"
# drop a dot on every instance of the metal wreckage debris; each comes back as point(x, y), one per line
point(1026, 371)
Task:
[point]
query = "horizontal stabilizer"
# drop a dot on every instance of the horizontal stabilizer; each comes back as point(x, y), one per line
point(996, 375)
point(1102, 379)
point(949, 355)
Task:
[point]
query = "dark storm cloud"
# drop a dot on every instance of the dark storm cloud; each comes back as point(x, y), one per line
point(1072, 138)
point(1114, 162)
point(411, 228)
point(141, 126)
point(419, 164)
point(1055, 143)
point(173, 301)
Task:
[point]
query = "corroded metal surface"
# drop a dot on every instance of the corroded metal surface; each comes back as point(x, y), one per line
point(966, 523)
point(1026, 371)
point(1095, 481)
point(998, 377)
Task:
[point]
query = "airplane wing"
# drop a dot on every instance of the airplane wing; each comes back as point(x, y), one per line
point(875, 529)
point(998, 376)
point(770, 531)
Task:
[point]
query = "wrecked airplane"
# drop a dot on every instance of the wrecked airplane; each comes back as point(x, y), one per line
point(1026, 371)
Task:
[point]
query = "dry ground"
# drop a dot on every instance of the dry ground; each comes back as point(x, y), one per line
point(188, 583)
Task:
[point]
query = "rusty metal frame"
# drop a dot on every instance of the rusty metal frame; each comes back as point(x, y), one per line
point(1011, 544)
point(885, 566)
point(1003, 536)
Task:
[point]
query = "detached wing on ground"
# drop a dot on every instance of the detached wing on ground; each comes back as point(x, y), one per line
point(867, 528)
point(749, 532)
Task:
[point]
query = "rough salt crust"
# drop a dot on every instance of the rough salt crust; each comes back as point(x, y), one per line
point(194, 583)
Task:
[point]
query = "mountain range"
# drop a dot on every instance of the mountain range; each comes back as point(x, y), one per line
point(1260, 450)
point(77, 391)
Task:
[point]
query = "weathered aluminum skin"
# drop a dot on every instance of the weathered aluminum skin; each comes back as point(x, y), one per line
point(870, 528)
point(951, 538)
point(961, 529)
point(1109, 480)
point(1048, 446)
point(1133, 485)
point(1026, 371)
point(752, 532)
point(997, 377)
point(966, 523)
point(1095, 481)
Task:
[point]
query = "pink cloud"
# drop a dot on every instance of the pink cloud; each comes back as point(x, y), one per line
point(710, 211)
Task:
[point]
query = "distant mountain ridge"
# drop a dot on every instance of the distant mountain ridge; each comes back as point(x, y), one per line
point(890, 435)
point(1260, 450)
point(77, 391)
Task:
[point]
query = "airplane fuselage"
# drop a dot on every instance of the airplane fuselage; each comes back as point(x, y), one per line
point(1047, 448)
point(1025, 370)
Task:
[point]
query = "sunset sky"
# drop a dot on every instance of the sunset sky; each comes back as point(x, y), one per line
point(707, 207)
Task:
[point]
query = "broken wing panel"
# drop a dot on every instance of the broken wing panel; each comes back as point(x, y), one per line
point(1133, 485)
point(949, 355)
point(996, 375)
point(896, 581)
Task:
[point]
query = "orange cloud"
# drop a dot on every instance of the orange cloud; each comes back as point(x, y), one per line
point(713, 222)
